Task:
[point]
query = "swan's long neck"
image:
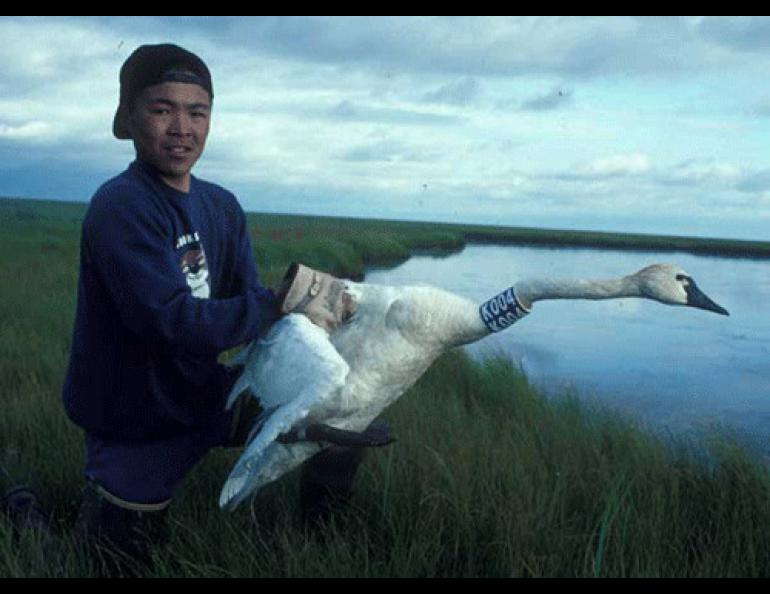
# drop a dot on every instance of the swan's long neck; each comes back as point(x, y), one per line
point(470, 323)
point(529, 291)
point(509, 306)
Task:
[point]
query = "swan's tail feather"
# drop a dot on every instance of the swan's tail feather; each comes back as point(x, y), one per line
point(249, 475)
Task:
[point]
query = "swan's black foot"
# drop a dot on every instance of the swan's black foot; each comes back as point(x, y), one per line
point(378, 434)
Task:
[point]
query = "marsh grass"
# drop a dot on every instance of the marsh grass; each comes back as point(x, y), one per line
point(487, 478)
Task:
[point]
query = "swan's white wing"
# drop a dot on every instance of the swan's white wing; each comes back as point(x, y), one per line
point(294, 353)
point(295, 372)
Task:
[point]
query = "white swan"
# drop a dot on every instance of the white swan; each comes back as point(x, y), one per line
point(309, 378)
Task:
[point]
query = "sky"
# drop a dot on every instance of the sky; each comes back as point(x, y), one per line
point(638, 124)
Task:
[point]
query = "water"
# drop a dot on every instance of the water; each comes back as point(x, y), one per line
point(673, 368)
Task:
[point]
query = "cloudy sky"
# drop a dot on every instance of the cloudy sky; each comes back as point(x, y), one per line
point(639, 124)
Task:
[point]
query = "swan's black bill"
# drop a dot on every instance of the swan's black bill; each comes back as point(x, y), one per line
point(374, 436)
point(697, 298)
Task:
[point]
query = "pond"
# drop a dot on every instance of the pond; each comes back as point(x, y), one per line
point(677, 369)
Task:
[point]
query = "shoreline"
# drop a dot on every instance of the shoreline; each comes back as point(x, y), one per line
point(30, 209)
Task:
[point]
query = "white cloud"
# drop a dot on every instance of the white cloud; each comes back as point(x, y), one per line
point(553, 99)
point(743, 33)
point(565, 47)
point(699, 172)
point(625, 164)
point(755, 182)
point(467, 107)
point(458, 92)
point(27, 131)
point(38, 50)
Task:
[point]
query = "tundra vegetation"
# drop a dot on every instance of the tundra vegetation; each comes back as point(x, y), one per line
point(487, 478)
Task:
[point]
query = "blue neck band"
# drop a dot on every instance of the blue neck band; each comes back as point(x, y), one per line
point(502, 311)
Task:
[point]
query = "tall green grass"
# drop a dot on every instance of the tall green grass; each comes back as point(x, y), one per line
point(487, 478)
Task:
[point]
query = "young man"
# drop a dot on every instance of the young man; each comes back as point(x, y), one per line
point(167, 282)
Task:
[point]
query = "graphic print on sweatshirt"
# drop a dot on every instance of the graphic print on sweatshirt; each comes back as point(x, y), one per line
point(193, 264)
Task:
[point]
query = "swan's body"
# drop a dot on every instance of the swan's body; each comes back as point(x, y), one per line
point(346, 378)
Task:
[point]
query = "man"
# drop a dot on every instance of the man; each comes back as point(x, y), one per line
point(167, 282)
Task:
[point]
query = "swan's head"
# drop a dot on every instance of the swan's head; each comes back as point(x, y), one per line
point(671, 285)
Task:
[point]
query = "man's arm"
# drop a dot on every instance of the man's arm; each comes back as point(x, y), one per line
point(135, 260)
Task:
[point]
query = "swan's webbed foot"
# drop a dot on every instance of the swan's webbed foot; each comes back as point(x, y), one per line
point(378, 434)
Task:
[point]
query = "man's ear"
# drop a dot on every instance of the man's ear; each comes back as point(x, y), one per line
point(127, 121)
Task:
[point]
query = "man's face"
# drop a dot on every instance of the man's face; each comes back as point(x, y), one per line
point(169, 125)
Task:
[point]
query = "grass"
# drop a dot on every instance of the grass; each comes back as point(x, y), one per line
point(487, 478)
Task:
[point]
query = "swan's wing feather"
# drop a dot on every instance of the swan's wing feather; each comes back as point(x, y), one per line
point(295, 372)
point(275, 461)
point(254, 469)
point(293, 353)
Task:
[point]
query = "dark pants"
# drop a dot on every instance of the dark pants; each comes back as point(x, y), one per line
point(129, 488)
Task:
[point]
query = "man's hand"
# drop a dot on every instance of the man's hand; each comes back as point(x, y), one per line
point(318, 295)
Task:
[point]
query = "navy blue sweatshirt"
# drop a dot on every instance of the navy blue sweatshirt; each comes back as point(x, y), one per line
point(167, 282)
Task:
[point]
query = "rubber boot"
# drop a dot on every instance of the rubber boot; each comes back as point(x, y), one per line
point(328, 480)
point(23, 507)
point(122, 537)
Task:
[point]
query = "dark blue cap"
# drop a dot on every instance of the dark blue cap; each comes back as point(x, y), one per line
point(151, 65)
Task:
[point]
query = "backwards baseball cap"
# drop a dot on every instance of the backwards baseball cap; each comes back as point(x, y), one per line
point(151, 65)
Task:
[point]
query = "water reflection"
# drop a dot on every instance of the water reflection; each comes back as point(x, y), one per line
point(672, 367)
